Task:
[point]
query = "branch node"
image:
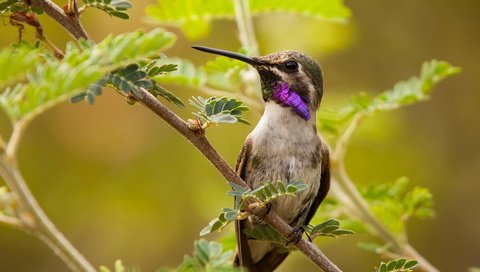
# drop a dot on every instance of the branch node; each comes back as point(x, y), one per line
point(197, 126)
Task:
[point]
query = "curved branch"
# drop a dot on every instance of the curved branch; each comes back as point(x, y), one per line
point(359, 206)
point(203, 145)
point(12, 145)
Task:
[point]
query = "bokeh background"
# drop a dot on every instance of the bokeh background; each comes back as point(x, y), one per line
point(122, 184)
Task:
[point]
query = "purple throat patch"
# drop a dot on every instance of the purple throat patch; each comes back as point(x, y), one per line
point(287, 97)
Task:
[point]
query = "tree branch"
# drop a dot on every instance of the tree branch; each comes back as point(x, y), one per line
point(70, 23)
point(245, 26)
point(203, 145)
point(359, 206)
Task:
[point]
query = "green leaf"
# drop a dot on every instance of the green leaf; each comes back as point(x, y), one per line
point(208, 256)
point(397, 265)
point(270, 191)
point(118, 267)
point(218, 110)
point(53, 81)
point(170, 97)
point(13, 6)
point(16, 62)
point(224, 218)
point(225, 74)
point(185, 74)
point(415, 89)
point(330, 227)
point(194, 17)
point(410, 264)
point(394, 203)
point(266, 233)
point(129, 79)
point(112, 7)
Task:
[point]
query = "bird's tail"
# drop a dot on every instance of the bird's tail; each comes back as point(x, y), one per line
point(243, 257)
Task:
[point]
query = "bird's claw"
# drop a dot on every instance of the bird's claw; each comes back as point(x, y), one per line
point(260, 218)
point(296, 235)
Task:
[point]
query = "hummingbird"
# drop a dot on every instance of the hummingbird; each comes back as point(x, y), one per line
point(283, 146)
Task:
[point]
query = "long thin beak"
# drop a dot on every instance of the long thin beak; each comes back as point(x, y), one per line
point(233, 55)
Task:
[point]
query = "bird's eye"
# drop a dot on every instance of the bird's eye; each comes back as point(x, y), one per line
point(291, 65)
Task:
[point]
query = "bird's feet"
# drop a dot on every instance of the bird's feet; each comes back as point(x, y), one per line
point(259, 218)
point(296, 235)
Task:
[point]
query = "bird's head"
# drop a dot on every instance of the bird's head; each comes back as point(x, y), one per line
point(284, 74)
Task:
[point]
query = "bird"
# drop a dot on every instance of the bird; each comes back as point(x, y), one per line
point(284, 146)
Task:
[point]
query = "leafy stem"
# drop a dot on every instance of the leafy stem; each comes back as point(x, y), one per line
point(359, 205)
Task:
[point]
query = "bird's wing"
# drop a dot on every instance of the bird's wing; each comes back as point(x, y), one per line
point(273, 259)
point(324, 183)
point(243, 256)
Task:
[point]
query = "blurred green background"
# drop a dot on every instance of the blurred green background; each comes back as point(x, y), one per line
point(122, 184)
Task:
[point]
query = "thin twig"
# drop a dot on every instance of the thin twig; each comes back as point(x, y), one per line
point(245, 26)
point(11, 221)
point(204, 146)
point(341, 146)
point(359, 206)
point(12, 145)
point(246, 34)
point(72, 8)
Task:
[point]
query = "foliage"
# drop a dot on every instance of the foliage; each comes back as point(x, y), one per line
point(225, 73)
point(13, 6)
point(226, 216)
point(267, 192)
point(185, 74)
point(129, 79)
point(221, 73)
point(264, 232)
point(25, 58)
point(48, 81)
point(118, 267)
point(219, 110)
point(330, 228)
point(208, 257)
point(404, 93)
point(262, 195)
point(194, 16)
point(115, 8)
point(397, 265)
point(394, 204)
